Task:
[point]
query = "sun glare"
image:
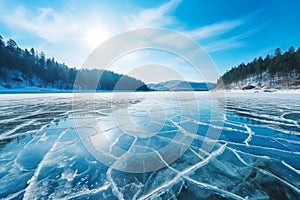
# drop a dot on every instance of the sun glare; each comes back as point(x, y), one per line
point(95, 36)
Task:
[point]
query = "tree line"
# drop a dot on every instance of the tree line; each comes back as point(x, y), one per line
point(36, 67)
point(277, 65)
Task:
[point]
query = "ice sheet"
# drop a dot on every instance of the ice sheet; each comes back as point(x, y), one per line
point(44, 148)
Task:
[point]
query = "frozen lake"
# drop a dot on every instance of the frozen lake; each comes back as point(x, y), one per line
point(154, 145)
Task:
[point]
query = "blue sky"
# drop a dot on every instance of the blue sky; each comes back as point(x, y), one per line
point(231, 31)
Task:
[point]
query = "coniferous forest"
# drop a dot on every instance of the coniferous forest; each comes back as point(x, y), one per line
point(277, 69)
point(23, 67)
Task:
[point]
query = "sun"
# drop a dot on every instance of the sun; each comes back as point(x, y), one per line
point(95, 36)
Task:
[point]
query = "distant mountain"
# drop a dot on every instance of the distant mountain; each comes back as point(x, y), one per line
point(22, 68)
point(177, 85)
point(278, 71)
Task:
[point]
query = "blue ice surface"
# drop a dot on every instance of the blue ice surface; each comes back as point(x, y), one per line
point(247, 149)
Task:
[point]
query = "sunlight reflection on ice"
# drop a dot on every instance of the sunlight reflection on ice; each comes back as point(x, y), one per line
point(255, 156)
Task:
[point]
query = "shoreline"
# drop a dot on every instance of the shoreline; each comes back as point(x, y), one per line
point(35, 90)
point(55, 90)
point(267, 91)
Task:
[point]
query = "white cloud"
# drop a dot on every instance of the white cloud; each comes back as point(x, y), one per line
point(69, 34)
point(63, 26)
point(219, 45)
point(161, 17)
point(154, 17)
point(47, 24)
point(215, 29)
point(231, 42)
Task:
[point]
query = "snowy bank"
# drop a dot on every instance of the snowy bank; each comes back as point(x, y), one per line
point(24, 90)
point(283, 91)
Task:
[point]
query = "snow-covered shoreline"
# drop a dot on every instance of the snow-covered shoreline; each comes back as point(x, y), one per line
point(284, 91)
point(37, 90)
point(29, 90)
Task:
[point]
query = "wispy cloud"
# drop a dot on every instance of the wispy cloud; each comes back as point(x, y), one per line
point(67, 34)
point(162, 17)
point(64, 26)
point(223, 44)
point(215, 29)
point(154, 17)
point(235, 41)
point(47, 23)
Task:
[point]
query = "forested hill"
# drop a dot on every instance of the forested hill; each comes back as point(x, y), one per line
point(280, 71)
point(20, 68)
